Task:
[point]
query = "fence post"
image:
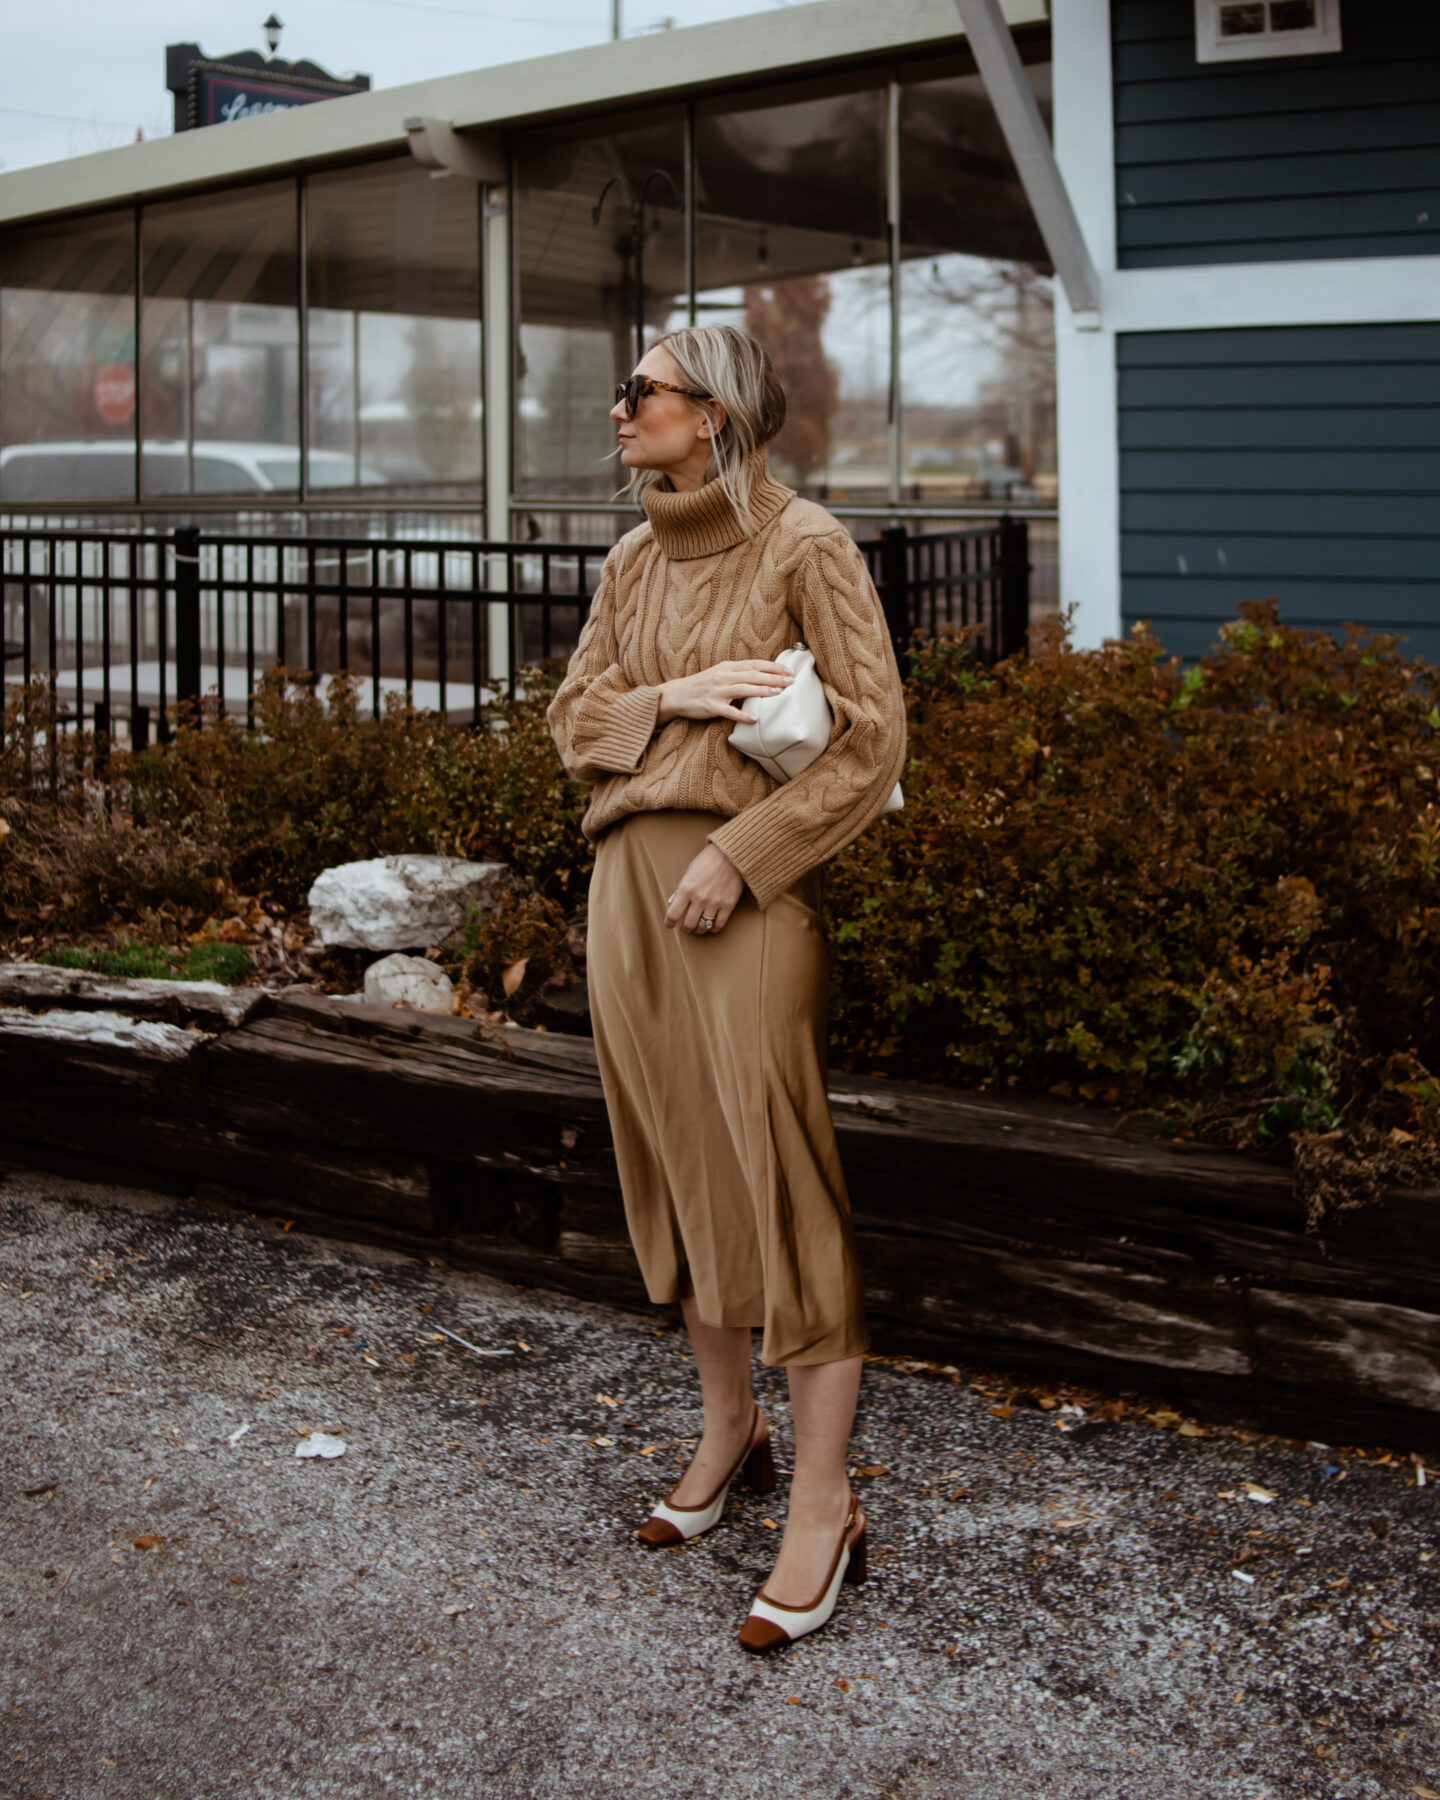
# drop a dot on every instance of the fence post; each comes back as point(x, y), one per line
point(895, 588)
point(187, 621)
point(1014, 620)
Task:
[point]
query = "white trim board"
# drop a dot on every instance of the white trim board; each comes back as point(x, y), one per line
point(1084, 126)
point(1376, 290)
point(660, 66)
point(1087, 406)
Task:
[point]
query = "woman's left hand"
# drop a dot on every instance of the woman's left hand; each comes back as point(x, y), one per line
point(709, 889)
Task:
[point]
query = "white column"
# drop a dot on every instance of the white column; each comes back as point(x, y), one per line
point(1089, 464)
point(1086, 399)
point(498, 365)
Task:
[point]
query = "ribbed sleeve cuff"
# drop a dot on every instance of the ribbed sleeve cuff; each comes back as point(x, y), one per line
point(770, 854)
point(621, 731)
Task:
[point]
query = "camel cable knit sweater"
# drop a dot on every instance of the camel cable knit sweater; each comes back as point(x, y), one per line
point(688, 589)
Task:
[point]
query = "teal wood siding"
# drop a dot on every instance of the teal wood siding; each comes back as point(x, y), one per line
point(1278, 159)
point(1296, 461)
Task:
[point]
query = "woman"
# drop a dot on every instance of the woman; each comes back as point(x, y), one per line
point(707, 961)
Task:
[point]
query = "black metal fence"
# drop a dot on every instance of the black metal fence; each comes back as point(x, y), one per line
point(125, 626)
point(979, 577)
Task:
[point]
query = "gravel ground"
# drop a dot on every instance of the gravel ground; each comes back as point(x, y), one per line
point(1060, 1604)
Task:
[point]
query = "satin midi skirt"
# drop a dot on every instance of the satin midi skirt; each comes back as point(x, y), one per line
point(712, 1055)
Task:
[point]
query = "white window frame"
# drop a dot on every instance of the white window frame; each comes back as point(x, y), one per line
point(1319, 39)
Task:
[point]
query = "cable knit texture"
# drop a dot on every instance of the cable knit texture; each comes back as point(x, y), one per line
point(688, 589)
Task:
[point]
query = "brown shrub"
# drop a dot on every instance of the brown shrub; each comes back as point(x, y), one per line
point(1210, 890)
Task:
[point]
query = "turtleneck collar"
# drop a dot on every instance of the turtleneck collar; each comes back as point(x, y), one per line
point(703, 522)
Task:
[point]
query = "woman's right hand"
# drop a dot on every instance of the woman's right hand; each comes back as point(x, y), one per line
point(711, 693)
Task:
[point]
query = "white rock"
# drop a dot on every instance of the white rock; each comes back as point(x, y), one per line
point(408, 981)
point(320, 1443)
point(400, 902)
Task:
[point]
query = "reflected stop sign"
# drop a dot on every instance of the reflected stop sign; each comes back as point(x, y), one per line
point(115, 393)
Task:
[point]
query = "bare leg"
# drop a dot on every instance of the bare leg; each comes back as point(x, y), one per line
point(822, 1406)
point(722, 1361)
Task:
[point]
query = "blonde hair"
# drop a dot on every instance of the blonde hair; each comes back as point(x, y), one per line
point(736, 370)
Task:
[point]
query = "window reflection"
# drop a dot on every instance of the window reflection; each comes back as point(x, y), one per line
point(220, 344)
point(394, 332)
point(67, 362)
point(977, 332)
point(791, 244)
point(590, 289)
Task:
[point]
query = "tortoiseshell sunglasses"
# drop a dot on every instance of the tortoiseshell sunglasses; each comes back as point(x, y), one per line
point(639, 387)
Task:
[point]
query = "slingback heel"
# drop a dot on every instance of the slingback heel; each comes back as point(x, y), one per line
point(772, 1623)
point(669, 1525)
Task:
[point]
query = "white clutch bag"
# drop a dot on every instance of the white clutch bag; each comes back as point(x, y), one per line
point(792, 728)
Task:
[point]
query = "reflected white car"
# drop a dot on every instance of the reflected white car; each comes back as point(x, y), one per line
point(103, 469)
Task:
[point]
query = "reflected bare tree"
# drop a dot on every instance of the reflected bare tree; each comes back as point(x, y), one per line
point(788, 317)
point(1001, 317)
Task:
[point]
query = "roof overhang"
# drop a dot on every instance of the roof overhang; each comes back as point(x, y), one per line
point(798, 40)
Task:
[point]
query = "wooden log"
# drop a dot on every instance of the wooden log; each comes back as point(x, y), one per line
point(87, 1057)
point(209, 1004)
point(1018, 1233)
point(288, 1078)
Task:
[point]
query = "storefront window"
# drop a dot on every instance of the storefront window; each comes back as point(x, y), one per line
point(791, 244)
point(394, 332)
point(592, 290)
point(67, 362)
point(977, 333)
point(220, 344)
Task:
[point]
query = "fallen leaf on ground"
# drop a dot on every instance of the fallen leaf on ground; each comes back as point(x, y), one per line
point(148, 1542)
point(40, 1487)
point(769, 1524)
point(514, 975)
point(1425, 1793)
point(605, 1400)
point(649, 1449)
point(1191, 1429)
point(1254, 1491)
point(873, 1469)
point(603, 1443)
point(1001, 1412)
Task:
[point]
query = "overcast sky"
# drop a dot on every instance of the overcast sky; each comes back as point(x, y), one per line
point(83, 75)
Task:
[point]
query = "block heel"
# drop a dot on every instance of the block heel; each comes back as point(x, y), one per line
point(858, 1567)
point(758, 1469)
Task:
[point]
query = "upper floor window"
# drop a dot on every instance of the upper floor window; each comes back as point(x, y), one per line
point(1235, 30)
